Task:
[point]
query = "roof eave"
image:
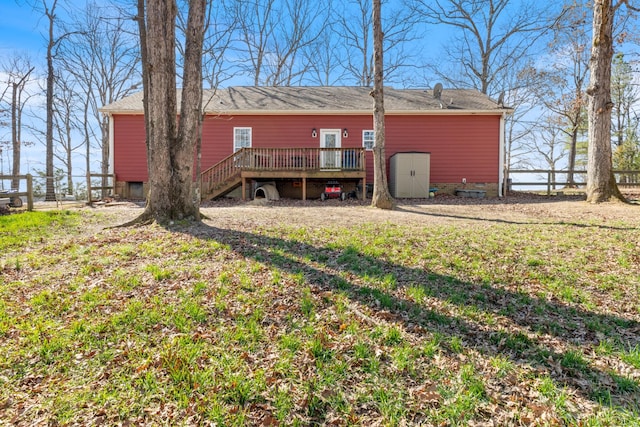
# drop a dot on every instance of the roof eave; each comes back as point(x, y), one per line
point(444, 111)
point(356, 112)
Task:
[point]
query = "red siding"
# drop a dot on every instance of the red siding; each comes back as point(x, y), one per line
point(129, 151)
point(464, 146)
point(460, 146)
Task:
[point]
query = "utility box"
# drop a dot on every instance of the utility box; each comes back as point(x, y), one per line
point(409, 175)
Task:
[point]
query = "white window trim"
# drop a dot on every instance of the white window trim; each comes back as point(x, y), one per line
point(363, 139)
point(235, 135)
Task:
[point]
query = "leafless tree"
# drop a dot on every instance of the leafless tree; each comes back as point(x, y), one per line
point(274, 34)
point(601, 183)
point(548, 143)
point(218, 38)
point(102, 58)
point(53, 41)
point(354, 28)
point(564, 79)
point(491, 36)
point(325, 56)
point(66, 122)
point(19, 72)
point(55, 35)
point(518, 124)
point(381, 197)
point(625, 95)
point(170, 143)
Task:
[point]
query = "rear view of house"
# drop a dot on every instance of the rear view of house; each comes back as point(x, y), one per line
point(298, 138)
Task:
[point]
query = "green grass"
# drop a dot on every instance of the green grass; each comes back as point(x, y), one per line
point(382, 323)
point(20, 229)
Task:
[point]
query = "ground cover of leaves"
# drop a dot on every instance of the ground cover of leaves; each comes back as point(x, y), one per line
point(441, 312)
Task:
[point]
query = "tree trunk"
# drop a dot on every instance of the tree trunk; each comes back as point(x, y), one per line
point(601, 185)
point(161, 105)
point(104, 163)
point(189, 133)
point(381, 197)
point(15, 136)
point(171, 148)
point(50, 193)
point(573, 149)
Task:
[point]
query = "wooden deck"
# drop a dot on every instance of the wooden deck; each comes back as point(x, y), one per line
point(283, 163)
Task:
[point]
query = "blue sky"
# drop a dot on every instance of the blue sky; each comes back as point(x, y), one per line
point(19, 29)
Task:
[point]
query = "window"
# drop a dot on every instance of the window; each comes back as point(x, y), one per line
point(368, 139)
point(241, 138)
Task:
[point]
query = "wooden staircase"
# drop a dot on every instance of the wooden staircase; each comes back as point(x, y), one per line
point(224, 176)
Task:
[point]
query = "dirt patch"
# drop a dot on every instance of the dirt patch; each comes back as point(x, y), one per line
point(516, 208)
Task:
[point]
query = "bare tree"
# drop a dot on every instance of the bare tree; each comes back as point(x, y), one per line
point(256, 26)
point(324, 56)
point(518, 125)
point(171, 145)
point(601, 183)
point(564, 78)
point(625, 96)
point(19, 72)
point(274, 35)
point(66, 123)
point(381, 197)
point(354, 27)
point(52, 42)
point(54, 38)
point(491, 36)
point(101, 57)
point(548, 143)
point(220, 27)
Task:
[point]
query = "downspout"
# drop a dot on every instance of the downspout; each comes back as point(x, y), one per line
point(111, 169)
point(111, 145)
point(502, 153)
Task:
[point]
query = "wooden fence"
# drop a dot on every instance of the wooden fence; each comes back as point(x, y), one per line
point(106, 187)
point(28, 193)
point(624, 178)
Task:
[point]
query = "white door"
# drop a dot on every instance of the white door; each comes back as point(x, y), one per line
point(330, 159)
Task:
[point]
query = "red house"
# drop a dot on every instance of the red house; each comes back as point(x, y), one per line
point(298, 138)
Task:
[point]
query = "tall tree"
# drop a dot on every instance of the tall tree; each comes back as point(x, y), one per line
point(274, 35)
point(323, 56)
point(52, 42)
point(564, 77)
point(490, 37)
point(18, 71)
point(66, 123)
point(220, 27)
point(171, 145)
point(601, 183)
point(625, 96)
point(354, 29)
point(548, 143)
point(381, 197)
point(101, 57)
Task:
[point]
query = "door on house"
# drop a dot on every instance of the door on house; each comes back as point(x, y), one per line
point(330, 159)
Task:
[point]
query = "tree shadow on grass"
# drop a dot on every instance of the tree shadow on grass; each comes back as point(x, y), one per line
point(514, 222)
point(560, 325)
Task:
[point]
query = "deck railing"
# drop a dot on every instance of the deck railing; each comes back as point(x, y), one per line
point(303, 158)
point(281, 159)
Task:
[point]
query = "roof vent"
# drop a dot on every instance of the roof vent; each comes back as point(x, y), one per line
point(437, 91)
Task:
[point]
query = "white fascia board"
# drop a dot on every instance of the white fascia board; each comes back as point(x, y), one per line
point(355, 113)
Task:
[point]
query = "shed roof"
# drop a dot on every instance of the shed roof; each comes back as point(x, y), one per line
point(326, 100)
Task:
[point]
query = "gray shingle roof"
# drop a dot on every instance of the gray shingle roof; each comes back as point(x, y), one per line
point(322, 100)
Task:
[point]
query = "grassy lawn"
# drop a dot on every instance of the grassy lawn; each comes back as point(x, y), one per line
point(385, 323)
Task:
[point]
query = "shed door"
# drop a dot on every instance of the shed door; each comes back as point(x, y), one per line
point(330, 159)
